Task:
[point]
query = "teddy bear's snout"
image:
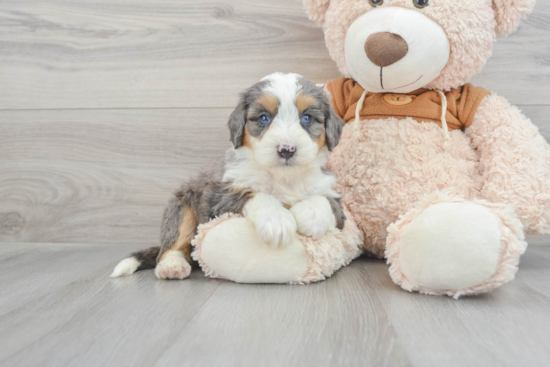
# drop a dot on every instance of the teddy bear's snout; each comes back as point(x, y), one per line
point(385, 49)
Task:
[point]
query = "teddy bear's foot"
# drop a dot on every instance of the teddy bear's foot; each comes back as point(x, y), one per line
point(229, 247)
point(455, 247)
point(234, 250)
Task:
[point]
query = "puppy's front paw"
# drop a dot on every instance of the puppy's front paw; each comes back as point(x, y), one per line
point(274, 223)
point(173, 266)
point(276, 227)
point(313, 216)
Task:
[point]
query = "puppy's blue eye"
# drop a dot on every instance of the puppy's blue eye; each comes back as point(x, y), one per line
point(264, 119)
point(306, 119)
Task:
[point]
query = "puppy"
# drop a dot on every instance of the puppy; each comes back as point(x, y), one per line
point(275, 175)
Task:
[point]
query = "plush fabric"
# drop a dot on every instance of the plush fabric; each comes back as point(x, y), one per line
point(471, 27)
point(332, 252)
point(384, 171)
point(228, 247)
point(515, 160)
point(511, 245)
point(448, 209)
point(317, 9)
point(412, 28)
point(385, 49)
point(508, 14)
point(234, 250)
point(448, 206)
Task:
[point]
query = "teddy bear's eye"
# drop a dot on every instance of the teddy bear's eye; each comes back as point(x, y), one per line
point(376, 3)
point(421, 3)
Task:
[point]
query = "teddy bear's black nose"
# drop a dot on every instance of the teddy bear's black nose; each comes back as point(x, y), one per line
point(385, 48)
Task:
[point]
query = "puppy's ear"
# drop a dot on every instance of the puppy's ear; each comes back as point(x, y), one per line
point(237, 122)
point(508, 14)
point(333, 129)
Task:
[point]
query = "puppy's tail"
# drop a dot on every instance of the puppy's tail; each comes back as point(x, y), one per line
point(140, 260)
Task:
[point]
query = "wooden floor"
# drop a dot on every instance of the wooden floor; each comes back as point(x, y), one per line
point(58, 307)
point(106, 105)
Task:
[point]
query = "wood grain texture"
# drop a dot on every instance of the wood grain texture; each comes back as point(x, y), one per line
point(90, 54)
point(65, 310)
point(105, 106)
point(166, 53)
point(99, 176)
point(86, 318)
point(507, 327)
point(104, 176)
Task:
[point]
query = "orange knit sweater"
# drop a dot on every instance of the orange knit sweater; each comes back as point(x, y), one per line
point(422, 105)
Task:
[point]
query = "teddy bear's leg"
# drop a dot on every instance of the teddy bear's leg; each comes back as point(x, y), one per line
point(447, 245)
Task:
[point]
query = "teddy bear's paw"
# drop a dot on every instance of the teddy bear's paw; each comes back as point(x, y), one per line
point(276, 227)
point(313, 216)
point(450, 246)
point(173, 266)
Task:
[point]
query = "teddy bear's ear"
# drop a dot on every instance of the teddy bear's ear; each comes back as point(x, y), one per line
point(316, 10)
point(508, 14)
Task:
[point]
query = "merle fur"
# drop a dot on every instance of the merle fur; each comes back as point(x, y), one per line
point(324, 112)
point(338, 211)
point(247, 113)
point(209, 197)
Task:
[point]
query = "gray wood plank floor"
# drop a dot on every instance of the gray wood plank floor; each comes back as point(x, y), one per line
point(58, 307)
point(105, 106)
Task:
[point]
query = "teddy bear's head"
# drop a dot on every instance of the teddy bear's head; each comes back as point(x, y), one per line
point(402, 45)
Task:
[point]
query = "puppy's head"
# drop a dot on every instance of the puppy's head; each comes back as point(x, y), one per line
point(286, 121)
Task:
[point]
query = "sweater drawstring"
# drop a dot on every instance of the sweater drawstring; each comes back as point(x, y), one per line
point(357, 112)
point(444, 117)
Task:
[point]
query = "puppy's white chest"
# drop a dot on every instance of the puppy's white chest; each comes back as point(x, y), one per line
point(287, 190)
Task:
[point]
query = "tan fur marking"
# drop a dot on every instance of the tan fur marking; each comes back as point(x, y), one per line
point(241, 192)
point(322, 141)
point(247, 138)
point(186, 230)
point(303, 101)
point(269, 102)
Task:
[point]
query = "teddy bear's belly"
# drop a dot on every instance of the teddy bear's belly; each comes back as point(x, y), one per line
point(392, 164)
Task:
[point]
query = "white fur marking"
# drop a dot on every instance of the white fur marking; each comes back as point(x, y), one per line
point(261, 169)
point(127, 266)
point(275, 224)
point(314, 216)
point(289, 185)
point(173, 266)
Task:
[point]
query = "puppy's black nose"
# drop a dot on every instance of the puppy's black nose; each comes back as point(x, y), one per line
point(286, 151)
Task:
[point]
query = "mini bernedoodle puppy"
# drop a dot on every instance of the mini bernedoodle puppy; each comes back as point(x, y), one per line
point(282, 132)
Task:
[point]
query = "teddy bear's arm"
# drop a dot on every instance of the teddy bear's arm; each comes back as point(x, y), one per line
point(515, 160)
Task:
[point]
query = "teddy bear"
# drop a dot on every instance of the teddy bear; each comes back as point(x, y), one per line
point(443, 178)
point(439, 177)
